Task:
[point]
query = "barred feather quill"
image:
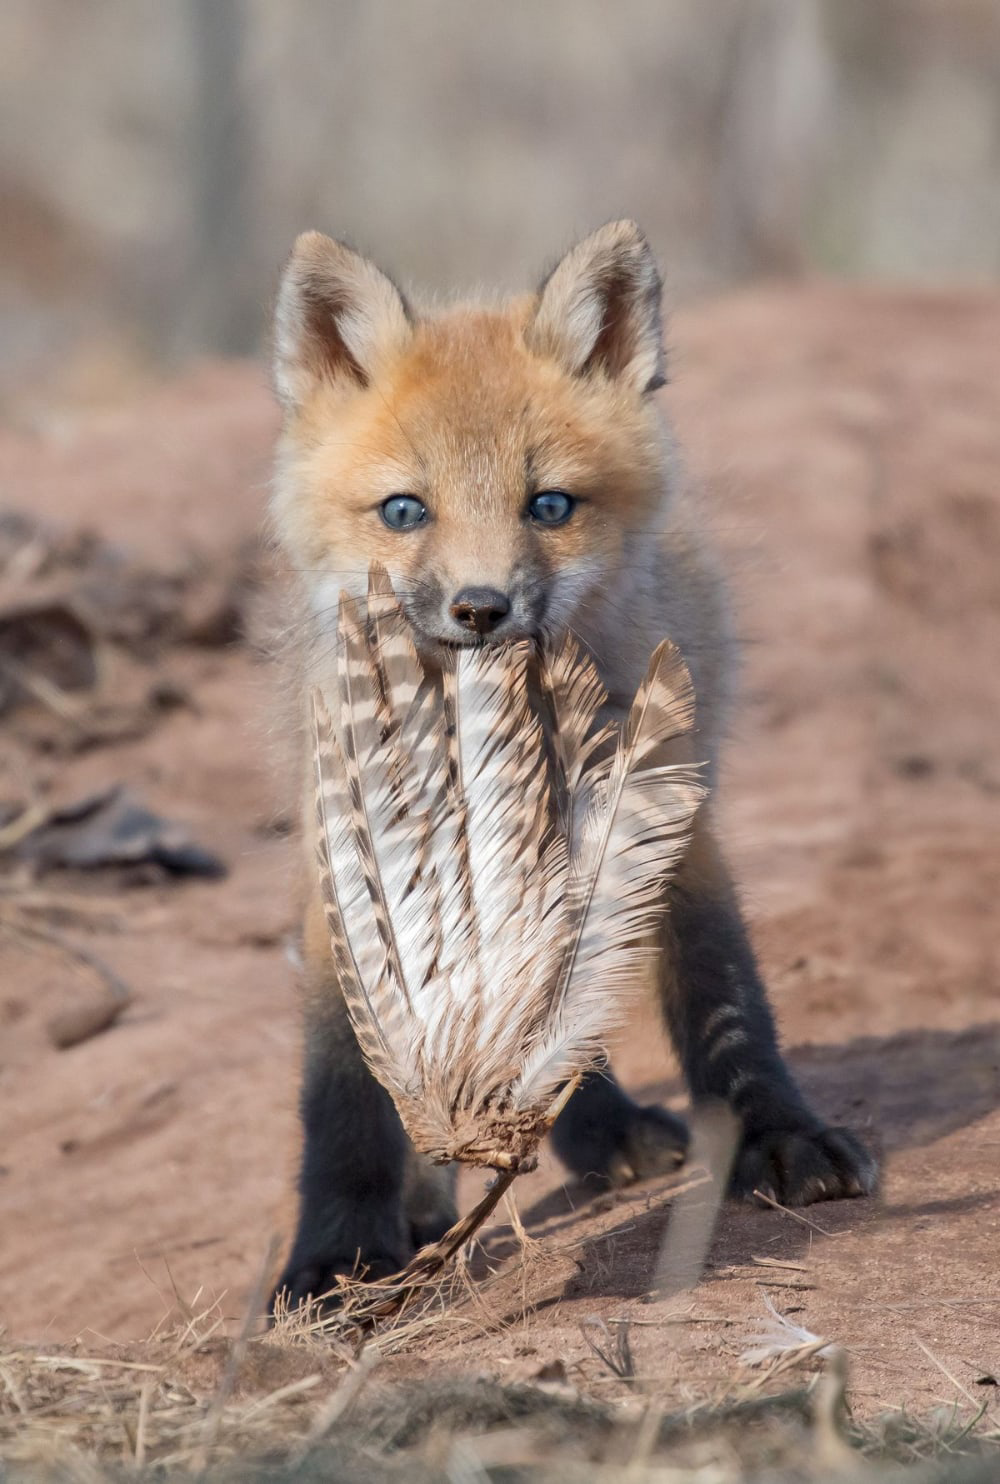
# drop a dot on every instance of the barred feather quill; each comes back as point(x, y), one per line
point(492, 869)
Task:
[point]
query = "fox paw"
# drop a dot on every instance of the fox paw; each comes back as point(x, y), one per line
point(797, 1167)
point(343, 1239)
point(629, 1143)
point(382, 1244)
point(316, 1281)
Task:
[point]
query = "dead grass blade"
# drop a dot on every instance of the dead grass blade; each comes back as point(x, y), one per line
point(237, 1354)
point(614, 1349)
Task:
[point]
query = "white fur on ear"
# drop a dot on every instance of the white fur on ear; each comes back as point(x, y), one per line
point(336, 317)
point(599, 309)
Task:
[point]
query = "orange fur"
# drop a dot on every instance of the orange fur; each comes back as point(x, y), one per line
point(469, 409)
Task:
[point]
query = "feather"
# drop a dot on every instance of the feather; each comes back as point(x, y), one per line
point(632, 837)
point(359, 959)
point(490, 881)
point(572, 696)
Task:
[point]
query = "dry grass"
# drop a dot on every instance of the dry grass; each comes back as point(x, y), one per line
point(186, 1410)
point(307, 1401)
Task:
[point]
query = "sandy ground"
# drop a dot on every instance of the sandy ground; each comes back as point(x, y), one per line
point(850, 442)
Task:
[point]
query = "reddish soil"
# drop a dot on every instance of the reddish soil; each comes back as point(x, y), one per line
point(850, 441)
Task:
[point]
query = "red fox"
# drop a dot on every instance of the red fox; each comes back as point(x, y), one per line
point(510, 466)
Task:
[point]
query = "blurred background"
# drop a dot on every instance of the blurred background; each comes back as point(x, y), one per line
point(156, 160)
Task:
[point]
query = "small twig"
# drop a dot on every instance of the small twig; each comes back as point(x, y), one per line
point(90, 912)
point(646, 1439)
point(974, 1400)
point(293, 1388)
point(829, 1411)
point(813, 1225)
point(343, 1398)
point(50, 938)
point(958, 1302)
point(187, 1309)
point(194, 1319)
point(63, 703)
point(87, 1362)
point(141, 1423)
point(13, 1390)
point(675, 1317)
point(30, 817)
point(714, 1139)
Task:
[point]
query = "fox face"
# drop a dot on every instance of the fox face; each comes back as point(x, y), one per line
point(501, 462)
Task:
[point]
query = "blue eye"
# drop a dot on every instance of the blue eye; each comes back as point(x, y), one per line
point(551, 507)
point(403, 512)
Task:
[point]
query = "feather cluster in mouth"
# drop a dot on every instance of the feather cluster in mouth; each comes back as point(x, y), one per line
point(493, 863)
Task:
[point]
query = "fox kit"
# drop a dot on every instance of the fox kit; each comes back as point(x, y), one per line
point(510, 466)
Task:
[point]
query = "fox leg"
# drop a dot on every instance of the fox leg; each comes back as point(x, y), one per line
point(366, 1199)
point(716, 1008)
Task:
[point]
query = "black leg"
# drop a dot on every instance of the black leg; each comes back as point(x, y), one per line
point(607, 1139)
point(716, 1006)
point(351, 1213)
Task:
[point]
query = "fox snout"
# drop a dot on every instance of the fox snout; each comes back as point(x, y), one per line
point(479, 610)
point(472, 613)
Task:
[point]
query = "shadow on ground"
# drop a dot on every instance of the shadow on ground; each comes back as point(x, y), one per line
point(900, 1092)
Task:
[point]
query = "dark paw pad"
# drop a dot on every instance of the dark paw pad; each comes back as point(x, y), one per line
point(799, 1166)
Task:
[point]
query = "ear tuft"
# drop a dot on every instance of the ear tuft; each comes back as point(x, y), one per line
point(599, 309)
point(336, 319)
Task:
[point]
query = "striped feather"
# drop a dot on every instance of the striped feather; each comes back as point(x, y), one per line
point(370, 992)
point(632, 838)
point(572, 696)
point(490, 885)
point(390, 841)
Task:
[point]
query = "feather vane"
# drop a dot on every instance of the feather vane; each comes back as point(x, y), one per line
point(491, 871)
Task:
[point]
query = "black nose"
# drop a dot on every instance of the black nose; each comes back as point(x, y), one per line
point(480, 609)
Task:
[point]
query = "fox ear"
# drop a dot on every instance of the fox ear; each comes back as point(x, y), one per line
point(599, 308)
point(337, 316)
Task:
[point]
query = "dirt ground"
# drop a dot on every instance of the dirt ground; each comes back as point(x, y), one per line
point(850, 444)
